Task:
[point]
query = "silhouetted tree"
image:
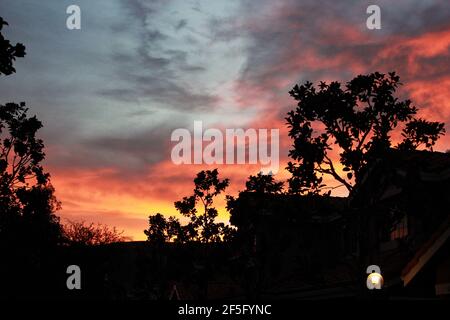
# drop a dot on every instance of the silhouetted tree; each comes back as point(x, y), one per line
point(163, 230)
point(29, 229)
point(81, 233)
point(245, 215)
point(207, 187)
point(421, 133)
point(262, 186)
point(8, 52)
point(27, 201)
point(357, 121)
point(202, 226)
point(263, 183)
point(157, 232)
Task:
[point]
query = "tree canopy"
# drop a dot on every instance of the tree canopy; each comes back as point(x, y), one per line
point(9, 52)
point(355, 120)
point(27, 201)
point(199, 209)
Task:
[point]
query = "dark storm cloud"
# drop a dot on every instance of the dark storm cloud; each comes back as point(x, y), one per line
point(181, 24)
point(413, 18)
point(133, 153)
point(161, 90)
point(148, 147)
point(150, 72)
point(140, 113)
point(141, 9)
point(435, 67)
point(158, 82)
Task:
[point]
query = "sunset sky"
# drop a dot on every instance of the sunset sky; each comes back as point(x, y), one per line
point(110, 95)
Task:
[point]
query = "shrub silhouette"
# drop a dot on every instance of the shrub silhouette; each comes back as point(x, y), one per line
point(82, 233)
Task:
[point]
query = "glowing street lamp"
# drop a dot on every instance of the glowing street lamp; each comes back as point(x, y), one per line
point(374, 279)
